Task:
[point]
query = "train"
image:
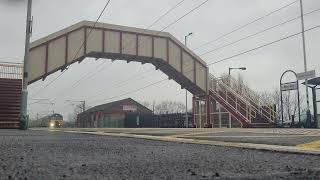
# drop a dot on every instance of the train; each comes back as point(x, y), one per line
point(52, 121)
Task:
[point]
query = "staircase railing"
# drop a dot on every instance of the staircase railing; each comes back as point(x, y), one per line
point(264, 106)
point(236, 102)
point(245, 91)
point(11, 70)
point(255, 109)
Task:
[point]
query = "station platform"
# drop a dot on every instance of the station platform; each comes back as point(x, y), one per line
point(305, 141)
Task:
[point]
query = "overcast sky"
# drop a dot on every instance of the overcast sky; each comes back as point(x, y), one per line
point(212, 20)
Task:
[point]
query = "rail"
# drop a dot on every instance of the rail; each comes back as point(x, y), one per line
point(11, 70)
point(240, 100)
point(245, 91)
point(234, 102)
point(264, 106)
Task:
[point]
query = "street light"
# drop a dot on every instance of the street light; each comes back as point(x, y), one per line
point(305, 61)
point(185, 38)
point(240, 68)
point(185, 43)
point(230, 68)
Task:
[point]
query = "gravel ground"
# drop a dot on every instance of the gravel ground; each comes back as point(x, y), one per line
point(57, 155)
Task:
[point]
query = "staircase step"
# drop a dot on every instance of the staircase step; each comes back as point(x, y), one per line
point(9, 95)
point(10, 80)
point(10, 111)
point(13, 84)
point(12, 98)
point(9, 124)
point(9, 115)
point(11, 101)
point(9, 119)
point(10, 105)
point(9, 89)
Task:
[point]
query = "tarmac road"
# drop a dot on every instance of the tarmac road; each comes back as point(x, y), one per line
point(58, 155)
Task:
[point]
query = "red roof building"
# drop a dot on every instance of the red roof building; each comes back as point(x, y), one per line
point(117, 114)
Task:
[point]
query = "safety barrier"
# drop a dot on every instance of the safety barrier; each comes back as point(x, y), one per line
point(11, 70)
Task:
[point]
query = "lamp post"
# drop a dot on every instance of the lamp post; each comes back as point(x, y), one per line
point(305, 62)
point(231, 68)
point(24, 94)
point(187, 121)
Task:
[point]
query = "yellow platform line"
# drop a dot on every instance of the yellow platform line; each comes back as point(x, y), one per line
point(248, 136)
point(311, 145)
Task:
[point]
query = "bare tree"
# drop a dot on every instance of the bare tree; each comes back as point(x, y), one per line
point(290, 103)
point(169, 107)
point(146, 104)
point(76, 111)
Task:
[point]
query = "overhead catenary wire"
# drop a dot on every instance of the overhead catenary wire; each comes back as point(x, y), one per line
point(257, 33)
point(152, 24)
point(137, 90)
point(245, 25)
point(82, 44)
point(221, 60)
point(90, 74)
point(171, 24)
point(264, 45)
point(183, 16)
point(166, 13)
point(241, 27)
point(175, 21)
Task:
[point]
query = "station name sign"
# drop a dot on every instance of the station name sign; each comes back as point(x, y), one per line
point(306, 75)
point(288, 87)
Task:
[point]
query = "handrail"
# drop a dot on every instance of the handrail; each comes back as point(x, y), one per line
point(248, 92)
point(269, 115)
point(258, 100)
point(11, 70)
point(239, 98)
point(261, 103)
point(232, 106)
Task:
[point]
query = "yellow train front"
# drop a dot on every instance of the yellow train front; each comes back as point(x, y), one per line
point(55, 121)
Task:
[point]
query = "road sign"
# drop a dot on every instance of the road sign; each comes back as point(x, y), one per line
point(306, 75)
point(287, 87)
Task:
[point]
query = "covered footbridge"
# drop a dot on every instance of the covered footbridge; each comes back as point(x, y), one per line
point(99, 40)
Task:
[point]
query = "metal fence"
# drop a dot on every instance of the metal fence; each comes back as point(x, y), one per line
point(11, 70)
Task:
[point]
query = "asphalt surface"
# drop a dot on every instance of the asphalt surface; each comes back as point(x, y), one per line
point(57, 155)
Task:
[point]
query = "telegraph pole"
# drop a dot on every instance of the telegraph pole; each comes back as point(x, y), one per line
point(24, 95)
point(83, 106)
point(186, 118)
point(305, 64)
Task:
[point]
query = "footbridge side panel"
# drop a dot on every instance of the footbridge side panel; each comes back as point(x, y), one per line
point(59, 50)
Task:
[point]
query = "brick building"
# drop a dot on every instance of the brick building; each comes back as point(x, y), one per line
point(119, 114)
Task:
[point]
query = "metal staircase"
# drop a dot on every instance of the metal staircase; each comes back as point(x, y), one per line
point(10, 95)
point(243, 103)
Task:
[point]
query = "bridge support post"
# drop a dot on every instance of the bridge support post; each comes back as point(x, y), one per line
point(194, 105)
point(209, 123)
point(201, 108)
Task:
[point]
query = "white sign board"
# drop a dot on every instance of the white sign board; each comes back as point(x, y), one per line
point(306, 75)
point(287, 87)
point(132, 108)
